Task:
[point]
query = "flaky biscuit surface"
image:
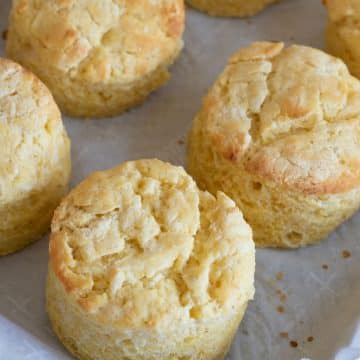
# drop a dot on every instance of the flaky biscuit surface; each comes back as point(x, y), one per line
point(283, 116)
point(343, 32)
point(140, 249)
point(98, 58)
point(34, 157)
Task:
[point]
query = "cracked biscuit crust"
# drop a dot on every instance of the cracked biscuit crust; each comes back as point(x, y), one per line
point(35, 157)
point(289, 115)
point(280, 117)
point(343, 32)
point(107, 54)
point(140, 247)
point(239, 8)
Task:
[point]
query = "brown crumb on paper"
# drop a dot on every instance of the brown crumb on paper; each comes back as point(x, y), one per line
point(181, 142)
point(4, 35)
point(310, 339)
point(346, 254)
point(279, 276)
point(282, 296)
point(284, 335)
point(280, 309)
point(325, 266)
point(293, 343)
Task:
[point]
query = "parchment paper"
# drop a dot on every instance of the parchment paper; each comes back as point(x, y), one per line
point(316, 308)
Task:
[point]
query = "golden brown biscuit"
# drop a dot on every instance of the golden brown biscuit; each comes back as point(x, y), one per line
point(343, 32)
point(280, 134)
point(143, 265)
point(98, 58)
point(34, 157)
point(238, 8)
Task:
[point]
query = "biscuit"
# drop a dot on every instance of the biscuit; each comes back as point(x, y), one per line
point(238, 8)
point(34, 157)
point(99, 58)
point(143, 265)
point(279, 133)
point(343, 32)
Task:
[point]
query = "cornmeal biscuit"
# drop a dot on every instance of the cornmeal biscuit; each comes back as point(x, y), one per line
point(143, 265)
point(99, 58)
point(34, 157)
point(343, 32)
point(280, 134)
point(238, 8)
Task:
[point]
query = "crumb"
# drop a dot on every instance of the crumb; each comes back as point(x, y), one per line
point(283, 298)
point(310, 339)
point(325, 266)
point(181, 142)
point(4, 35)
point(245, 332)
point(293, 343)
point(280, 309)
point(346, 254)
point(279, 292)
point(284, 335)
point(279, 276)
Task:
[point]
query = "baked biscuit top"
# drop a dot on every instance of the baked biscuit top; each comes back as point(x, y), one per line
point(101, 41)
point(33, 139)
point(140, 246)
point(289, 115)
point(343, 11)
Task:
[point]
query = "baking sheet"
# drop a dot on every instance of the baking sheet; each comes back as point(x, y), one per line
point(307, 301)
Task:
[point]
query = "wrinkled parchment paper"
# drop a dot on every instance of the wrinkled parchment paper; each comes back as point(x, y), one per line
point(310, 296)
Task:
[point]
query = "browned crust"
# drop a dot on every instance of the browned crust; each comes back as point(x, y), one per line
point(302, 148)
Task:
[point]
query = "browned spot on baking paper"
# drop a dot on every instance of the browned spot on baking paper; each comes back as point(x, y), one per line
point(181, 142)
point(293, 343)
point(4, 35)
point(291, 38)
point(310, 339)
point(281, 295)
point(346, 254)
point(325, 266)
point(284, 335)
point(279, 276)
point(280, 309)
